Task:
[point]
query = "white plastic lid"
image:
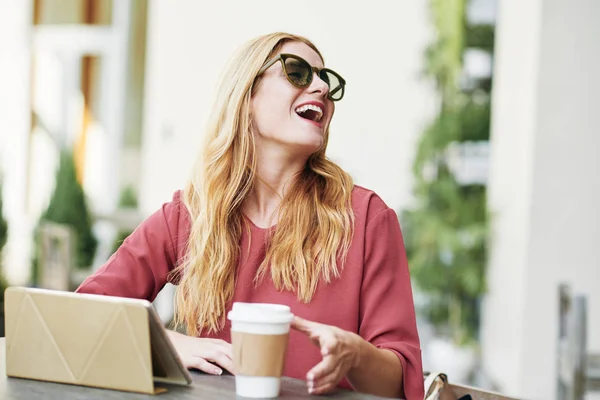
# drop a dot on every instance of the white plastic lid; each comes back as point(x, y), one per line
point(260, 313)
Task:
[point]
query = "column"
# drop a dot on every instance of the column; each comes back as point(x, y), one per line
point(15, 121)
point(544, 189)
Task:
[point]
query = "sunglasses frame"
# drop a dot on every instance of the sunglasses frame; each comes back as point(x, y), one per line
point(284, 56)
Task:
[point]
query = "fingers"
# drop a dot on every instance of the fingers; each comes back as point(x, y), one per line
point(220, 342)
point(225, 347)
point(219, 356)
point(326, 381)
point(323, 389)
point(215, 351)
point(204, 366)
point(302, 325)
point(224, 361)
point(313, 330)
point(325, 376)
point(328, 343)
point(307, 328)
point(206, 362)
point(217, 346)
point(322, 369)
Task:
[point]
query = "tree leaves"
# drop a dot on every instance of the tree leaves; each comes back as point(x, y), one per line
point(446, 231)
point(68, 205)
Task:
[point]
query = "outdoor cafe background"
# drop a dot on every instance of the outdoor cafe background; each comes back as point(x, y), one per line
point(476, 120)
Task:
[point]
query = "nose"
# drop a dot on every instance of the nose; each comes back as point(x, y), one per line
point(318, 86)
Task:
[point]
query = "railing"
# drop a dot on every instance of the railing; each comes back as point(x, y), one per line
point(578, 371)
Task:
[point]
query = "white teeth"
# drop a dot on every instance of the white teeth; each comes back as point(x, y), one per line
point(312, 107)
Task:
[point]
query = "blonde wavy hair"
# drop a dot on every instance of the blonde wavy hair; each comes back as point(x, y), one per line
point(315, 219)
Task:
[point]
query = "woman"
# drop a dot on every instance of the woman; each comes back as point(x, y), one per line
point(268, 218)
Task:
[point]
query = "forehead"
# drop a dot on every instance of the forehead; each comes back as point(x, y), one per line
point(303, 50)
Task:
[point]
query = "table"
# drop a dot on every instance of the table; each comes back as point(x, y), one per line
point(205, 387)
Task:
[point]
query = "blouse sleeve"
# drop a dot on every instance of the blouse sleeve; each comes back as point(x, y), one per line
point(140, 267)
point(387, 313)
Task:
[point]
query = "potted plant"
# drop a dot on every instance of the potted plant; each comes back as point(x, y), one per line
point(68, 206)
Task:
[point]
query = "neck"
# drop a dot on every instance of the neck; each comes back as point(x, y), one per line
point(275, 173)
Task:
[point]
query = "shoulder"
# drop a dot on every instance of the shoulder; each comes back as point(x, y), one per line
point(174, 209)
point(178, 208)
point(172, 218)
point(176, 201)
point(367, 205)
point(175, 219)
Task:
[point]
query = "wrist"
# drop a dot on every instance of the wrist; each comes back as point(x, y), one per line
point(361, 347)
point(173, 334)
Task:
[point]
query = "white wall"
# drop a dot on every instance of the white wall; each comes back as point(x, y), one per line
point(377, 46)
point(514, 104)
point(544, 187)
point(15, 17)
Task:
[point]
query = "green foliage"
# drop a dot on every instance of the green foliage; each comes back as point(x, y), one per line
point(447, 230)
point(481, 36)
point(68, 205)
point(443, 57)
point(3, 285)
point(3, 240)
point(3, 223)
point(128, 200)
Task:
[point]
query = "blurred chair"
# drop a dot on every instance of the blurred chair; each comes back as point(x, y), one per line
point(56, 250)
point(578, 371)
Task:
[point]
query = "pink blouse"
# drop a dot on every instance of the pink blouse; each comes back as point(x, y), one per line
point(373, 296)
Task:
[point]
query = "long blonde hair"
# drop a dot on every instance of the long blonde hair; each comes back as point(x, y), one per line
point(315, 219)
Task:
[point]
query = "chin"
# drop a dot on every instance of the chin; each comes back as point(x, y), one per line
point(314, 145)
point(307, 148)
point(305, 142)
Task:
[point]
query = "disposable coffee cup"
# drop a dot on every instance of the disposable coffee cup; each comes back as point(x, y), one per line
point(259, 337)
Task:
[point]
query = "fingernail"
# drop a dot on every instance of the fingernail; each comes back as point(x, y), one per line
point(218, 371)
point(310, 377)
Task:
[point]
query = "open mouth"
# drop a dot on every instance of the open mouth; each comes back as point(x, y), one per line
point(310, 112)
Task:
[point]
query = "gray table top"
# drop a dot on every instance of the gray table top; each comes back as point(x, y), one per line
point(205, 387)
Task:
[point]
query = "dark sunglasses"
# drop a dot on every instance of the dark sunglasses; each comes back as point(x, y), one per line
point(300, 74)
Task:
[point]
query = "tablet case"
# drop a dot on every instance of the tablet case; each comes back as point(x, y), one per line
point(89, 340)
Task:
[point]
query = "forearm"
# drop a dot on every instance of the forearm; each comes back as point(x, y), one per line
point(378, 372)
point(173, 335)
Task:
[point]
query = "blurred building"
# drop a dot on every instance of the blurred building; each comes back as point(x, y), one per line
point(72, 74)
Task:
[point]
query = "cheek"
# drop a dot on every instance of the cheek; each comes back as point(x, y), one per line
point(268, 115)
point(332, 113)
point(272, 106)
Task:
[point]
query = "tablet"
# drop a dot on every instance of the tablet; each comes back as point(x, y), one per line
point(90, 340)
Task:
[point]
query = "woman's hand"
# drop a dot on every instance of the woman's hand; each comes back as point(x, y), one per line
point(202, 353)
point(340, 350)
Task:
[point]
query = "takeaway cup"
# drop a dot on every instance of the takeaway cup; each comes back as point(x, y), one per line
point(259, 337)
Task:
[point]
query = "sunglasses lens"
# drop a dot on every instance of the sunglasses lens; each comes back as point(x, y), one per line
point(336, 87)
point(298, 71)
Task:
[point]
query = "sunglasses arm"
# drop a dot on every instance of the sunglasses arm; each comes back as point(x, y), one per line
point(268, 65)
point(335, 90)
